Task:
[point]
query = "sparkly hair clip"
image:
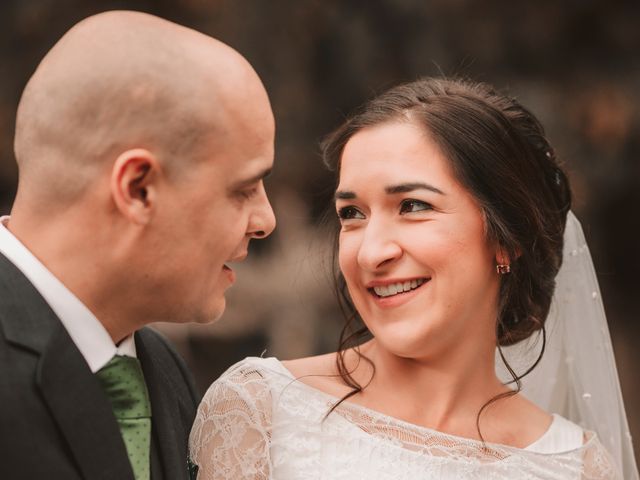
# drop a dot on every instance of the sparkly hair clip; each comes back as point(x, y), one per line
point(558, 177)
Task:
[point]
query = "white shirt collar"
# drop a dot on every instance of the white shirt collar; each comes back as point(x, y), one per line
point(86, 331)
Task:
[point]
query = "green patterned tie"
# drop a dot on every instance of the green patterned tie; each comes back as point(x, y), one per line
point(123, 382)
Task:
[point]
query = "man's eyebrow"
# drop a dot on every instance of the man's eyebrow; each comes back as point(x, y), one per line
point(410, 187)
point(255, 178)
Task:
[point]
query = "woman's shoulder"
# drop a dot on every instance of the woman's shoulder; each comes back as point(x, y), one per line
point(258, 387)
point(514, 421)
point(308, 366)
point(251, 366)
point(244, 388)
point(248, 371)
point(234, 421)
point(538, 430)
point(259, 373)
point(561, 436)
point(319, 372)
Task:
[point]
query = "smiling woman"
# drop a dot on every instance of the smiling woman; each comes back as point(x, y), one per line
point(434, 236)
point(452, 210)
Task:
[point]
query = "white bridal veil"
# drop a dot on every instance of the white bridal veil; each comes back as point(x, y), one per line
point(577, 376)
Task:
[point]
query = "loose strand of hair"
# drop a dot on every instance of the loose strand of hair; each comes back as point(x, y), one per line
point(517, 379)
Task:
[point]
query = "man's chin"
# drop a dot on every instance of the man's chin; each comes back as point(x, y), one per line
point(203, 315)
point(214, 314)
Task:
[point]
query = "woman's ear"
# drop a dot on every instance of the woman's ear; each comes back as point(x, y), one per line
point(503, 261)
point(503, 257)
point(134, 184)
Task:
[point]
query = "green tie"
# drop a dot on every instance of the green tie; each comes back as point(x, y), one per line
point(123, 382)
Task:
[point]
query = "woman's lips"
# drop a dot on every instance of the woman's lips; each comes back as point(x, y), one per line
point(392, 294)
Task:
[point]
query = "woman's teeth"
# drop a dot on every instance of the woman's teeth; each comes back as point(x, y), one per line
point(396, 288)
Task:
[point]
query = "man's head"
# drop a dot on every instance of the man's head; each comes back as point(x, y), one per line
point(141, 148)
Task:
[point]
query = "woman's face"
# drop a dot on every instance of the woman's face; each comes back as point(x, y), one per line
point(413, 248)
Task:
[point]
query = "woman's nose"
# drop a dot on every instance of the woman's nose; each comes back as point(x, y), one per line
point(379, 247)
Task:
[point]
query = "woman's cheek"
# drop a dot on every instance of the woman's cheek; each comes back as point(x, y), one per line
point(347, 255)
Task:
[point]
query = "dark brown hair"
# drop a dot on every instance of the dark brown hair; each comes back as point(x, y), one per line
point(499, 152)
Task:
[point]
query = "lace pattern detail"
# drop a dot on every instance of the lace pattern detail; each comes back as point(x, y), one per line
point(231, 435)
point(257, 422)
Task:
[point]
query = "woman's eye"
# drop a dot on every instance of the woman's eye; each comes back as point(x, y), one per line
point(410, 206)
point(349, 213)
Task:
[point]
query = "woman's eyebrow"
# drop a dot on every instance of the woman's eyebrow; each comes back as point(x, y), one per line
point(344, 195)
point(392, 190)
point(410, 187)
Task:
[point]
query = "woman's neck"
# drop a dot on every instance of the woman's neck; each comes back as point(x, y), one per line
point(444, 393)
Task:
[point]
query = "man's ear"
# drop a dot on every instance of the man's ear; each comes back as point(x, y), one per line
point(133, 185)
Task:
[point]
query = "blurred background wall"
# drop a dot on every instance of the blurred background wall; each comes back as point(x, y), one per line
point(575, 63)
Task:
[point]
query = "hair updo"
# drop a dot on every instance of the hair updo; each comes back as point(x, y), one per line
point(498, 151)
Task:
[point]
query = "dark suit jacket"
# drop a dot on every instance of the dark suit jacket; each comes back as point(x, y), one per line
point(55, 421)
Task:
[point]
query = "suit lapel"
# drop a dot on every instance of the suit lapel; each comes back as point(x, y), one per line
point(165, 410)
point(82, 411)
point(69, 389)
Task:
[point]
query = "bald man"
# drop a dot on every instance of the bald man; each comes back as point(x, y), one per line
point(142, 147)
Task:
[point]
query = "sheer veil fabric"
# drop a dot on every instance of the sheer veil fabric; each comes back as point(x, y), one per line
point(577, 376)
point(259, 422)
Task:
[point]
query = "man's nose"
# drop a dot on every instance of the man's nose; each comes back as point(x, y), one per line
point(263, 220)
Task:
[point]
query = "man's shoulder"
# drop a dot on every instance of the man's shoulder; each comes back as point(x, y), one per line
point(155, 341)
point(154, 344)
point(156, 353)
point(26, 319)
point(14, 285)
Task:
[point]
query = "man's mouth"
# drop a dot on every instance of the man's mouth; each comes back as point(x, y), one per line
point(230, 274)
point(397, 288)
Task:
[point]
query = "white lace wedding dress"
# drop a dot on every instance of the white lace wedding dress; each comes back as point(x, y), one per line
point(258, 422)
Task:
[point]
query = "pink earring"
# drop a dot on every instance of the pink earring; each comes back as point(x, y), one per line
point(503, 269)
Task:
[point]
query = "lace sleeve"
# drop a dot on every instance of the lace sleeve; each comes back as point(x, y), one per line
point(231, 433)
point(598, 464)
